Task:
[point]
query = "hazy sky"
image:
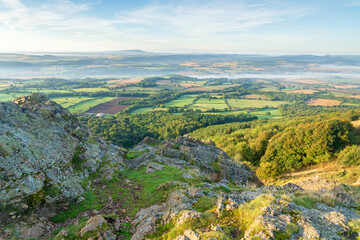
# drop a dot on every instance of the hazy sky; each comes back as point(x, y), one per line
point(242, 26)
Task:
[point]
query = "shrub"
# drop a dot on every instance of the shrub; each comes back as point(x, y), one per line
point(349, 156)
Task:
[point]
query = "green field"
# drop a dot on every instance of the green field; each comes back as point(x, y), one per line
point(181, 101)
point(11, 96)
point(47, 90)
point(90, 89)
point(145, 110)
point(205, 104)
point(248, 103)
point(261, 114)
point(86, 105)
point(67, 102)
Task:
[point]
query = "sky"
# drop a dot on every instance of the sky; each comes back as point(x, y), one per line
point(196, 26)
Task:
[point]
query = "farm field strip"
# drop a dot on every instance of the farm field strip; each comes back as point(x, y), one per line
point(9, 97)
point(244, 103)
point(149, 109)
point(207, 103)
point(90, 89)
point(110, 107)
point(323, 102)
point(86, 105)
point(67, 102)
point(181, 101)
point(47, 90)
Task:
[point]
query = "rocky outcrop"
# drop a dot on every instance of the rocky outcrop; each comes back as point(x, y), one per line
point(203, 159)
point(333, 189)
point(45, 153)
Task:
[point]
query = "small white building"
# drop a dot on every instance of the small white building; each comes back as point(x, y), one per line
point(100, 114)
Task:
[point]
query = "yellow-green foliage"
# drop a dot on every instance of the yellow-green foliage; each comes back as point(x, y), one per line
point(204, 204)
point(246, 213)
point(288, 232)
point(234, 223)
point(349, 156)
point(201, 225)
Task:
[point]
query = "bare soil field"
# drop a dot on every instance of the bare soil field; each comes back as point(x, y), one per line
point(196, 89)
point(187, 85)
point(323, 102)
point(355, 96)
point(110, 107)
point(346, 86)
point(306, 91)
point(123, 82)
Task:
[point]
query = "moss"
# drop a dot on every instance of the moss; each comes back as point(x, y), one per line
point(204, 204)
point(150, 194)
point(288, 232)
point(90, 202)
point(53, 191)
point(76, 161)
point(4, 150)
point(171, 231)
point(125, 231)
point(36, 199)
point(247, 212)
point(305, 201)
point(135, 154)
point(224, 189)
point(73, 230)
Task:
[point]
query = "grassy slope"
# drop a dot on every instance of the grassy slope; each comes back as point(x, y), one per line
point(331, 170)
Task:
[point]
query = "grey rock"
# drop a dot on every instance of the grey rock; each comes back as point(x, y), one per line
point(192, 235)
point(38, 143)
point(153, 167)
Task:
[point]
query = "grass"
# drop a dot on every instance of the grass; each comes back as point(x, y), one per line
point(90, 89)
point(135, 154)
point(204, 204)
point(305, 201)
point(72, 230)
point(248, 103)
point(288, 232)
point(90, 202)
point(48, 90)
point(150, 194)
point(348, 175)
point(233, 223)
point(247, 212)
point(206, 104)
point(67, 102)
point(86, 105)
point(145, 110)
point(263, 113)
point(9, 97)
point(181, 101)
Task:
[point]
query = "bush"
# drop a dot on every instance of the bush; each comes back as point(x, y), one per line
point(349, 156)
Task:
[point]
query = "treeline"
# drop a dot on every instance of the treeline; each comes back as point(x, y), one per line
point(309, 110)
point(275, 147)
point(100, 94)
point(149, 82)
point(127, 130)
point(58, 83)
point(154, 100)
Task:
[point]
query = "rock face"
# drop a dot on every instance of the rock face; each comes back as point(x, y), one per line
point(45, 153)
point(204, 159)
